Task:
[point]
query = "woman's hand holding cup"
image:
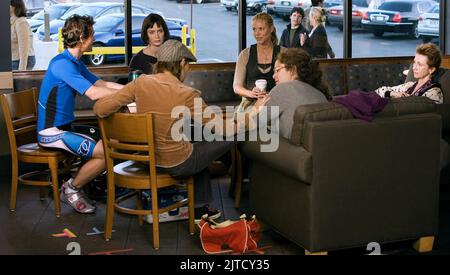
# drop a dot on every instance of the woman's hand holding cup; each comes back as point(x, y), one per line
point(260, 88)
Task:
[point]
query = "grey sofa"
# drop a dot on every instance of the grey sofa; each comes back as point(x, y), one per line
point(341, 182)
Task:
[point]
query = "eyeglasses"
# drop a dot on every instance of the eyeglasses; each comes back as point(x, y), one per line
point(279, 68)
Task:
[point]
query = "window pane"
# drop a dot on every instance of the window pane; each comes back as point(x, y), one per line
point(334, 25)
point(45, 50)
point(394, 28)
point(108, 28)
point(281, 11)
point(216, 28)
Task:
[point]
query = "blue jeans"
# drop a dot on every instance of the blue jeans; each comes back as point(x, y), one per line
point(30, 64)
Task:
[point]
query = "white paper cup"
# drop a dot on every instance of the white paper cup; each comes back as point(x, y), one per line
point(261, 84)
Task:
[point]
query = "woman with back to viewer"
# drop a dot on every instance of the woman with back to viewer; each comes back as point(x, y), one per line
point(298, 81)
point(22, 50)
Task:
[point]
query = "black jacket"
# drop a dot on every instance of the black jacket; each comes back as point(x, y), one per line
point(317, 45)
point(284, 40)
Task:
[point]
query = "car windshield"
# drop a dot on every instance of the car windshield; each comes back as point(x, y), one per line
point(107, 23)
point(396, 6)
point(53, 11)
point(32, 4)
point(435, 9)
point(83, 10)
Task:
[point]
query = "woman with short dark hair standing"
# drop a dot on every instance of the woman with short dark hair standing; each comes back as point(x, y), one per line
point(154, 32)
point(22, 51)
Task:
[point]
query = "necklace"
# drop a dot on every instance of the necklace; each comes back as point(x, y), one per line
point(264, 55)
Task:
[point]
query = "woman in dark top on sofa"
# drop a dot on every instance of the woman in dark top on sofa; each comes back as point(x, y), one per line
point(154, 33)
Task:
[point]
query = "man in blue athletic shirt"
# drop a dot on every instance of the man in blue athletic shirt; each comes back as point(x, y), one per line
point(66, 77)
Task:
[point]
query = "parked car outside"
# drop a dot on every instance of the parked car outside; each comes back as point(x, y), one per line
point(428, 27)
point(96, 10)
point(54, 11)
point(35, 6)
point(335, 15)
point(327, 4)
point(396, 16)
point(270, 4)
point(109, 32)
point(282, 8)
point(253, 6)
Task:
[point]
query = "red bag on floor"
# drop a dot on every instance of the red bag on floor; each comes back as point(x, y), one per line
point(229, 236)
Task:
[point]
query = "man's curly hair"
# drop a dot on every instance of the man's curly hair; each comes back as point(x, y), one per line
point(77, 27)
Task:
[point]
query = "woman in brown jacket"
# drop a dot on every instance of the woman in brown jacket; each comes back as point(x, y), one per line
point(22, 51)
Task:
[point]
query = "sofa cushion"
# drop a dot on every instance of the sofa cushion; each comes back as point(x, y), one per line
point(334, 111)
point(293, 161)
point(443, 77)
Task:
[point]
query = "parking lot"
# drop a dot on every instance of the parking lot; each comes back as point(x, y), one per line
point(217, 34)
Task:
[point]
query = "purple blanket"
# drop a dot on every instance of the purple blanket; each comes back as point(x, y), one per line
point(362, 105)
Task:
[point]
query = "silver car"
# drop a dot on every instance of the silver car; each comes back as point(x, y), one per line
point(428, 27)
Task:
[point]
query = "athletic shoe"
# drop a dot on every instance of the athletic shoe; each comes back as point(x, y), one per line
point(76, 199)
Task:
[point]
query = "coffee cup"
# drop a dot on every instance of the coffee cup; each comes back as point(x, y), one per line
point(261, 84)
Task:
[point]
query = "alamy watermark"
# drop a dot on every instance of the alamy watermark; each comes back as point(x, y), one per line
point(240, 126)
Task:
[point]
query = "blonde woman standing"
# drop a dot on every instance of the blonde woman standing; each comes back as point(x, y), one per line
point(22, 51)
point(257, 61)
point(316, 42)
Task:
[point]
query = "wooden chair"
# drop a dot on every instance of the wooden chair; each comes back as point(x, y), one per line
point(236, 176)
point(19, 110)
point(129, 138)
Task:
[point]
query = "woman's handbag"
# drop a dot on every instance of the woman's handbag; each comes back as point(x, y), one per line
point(229, 236)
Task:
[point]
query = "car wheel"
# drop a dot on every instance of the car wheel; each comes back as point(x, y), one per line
point(179, 1)
point(198, 1)
point(341, 28)
point(228, 8)
point(97, 59)
point(378, 33)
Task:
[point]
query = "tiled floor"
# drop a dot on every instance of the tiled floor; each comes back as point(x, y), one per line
point(29, 229)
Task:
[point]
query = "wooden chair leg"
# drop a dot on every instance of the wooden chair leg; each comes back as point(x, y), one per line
point(238, 184)
point(155, 216)
point(424, 244)
point(323, 253)
point(53, 164)
point(14, 183)
point(110, 201)
point(191, 208)
point(139, 206)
